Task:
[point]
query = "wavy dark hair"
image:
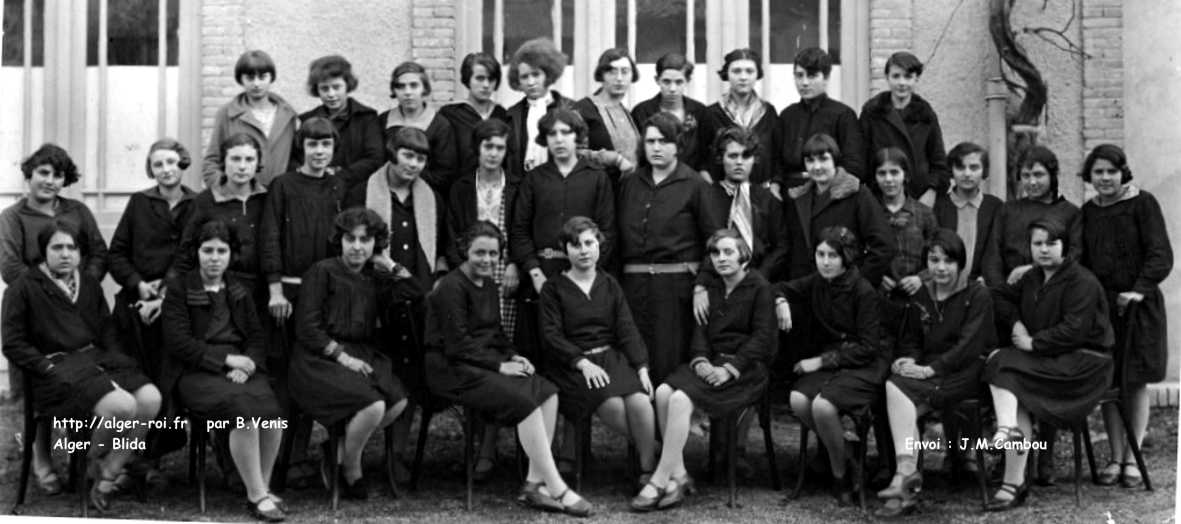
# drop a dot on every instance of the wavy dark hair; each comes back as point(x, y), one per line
point(56, 157)
point(348, 220)
point(1111, 153)
point(59, 225)
point(466, 68)
point(950, 243)
point(481, 228)
point(217, 229)
point(328, 67)
point(1044, 156)
point(410, 67)
point(668, 125)
point(240, 139)
point(574, 227)
point(846, 244)
point(489, 128)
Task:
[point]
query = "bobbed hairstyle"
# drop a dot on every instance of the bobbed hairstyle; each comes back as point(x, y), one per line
point(170, 144)
point(751, 146)
point(891, 155)
point(675, 61)
point(905, 61)
point(254, 62)
point(468, 66)
point(481, 228)
point(814, 60)
point(612, 55)
point(951, 244)
point(744, 53)
point(744, 251)
point(328, 67)
point(819, 144)
point(407, 137)
point(216, 229)
point(239, 139)
point(316, 128)
point(566, 116)
point(1055, 230)
point(410, 67)
point(348, 220)
point(55, 226)
point(55, 157)
point(956, 156)
point(492, 127)
point(1111, 153)
point(665, 123)
point(844, 242)
point(574, 227)
point(1041, 155)
point(538, 53)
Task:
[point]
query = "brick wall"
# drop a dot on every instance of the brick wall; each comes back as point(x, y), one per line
point(433, 44)
point(890, 30)
point(1103, 72)
point(223, 37)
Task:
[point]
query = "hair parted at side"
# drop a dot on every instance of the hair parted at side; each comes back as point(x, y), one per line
point(612, 55)
point(574, 227)
point(566, 116)
point(468, 66)
point(744, 251)
point(55, 226)
point(348, 220)
point(844, 242)
point(481, 228)
point(240, 139)
point(1111, 153)
point(217, 229)
point(55, 157)
point(410, 67)
point(170, 144)
point(956, 156)
point(675, 61)
point(814, 60)
point(1044, 156)
point(668, 125)
point(328, 67)
point(744, 53)
point(751, 146)
point(492, 127)
point(951, 244)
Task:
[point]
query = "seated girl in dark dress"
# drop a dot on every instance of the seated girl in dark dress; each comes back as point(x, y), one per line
point(470, 362)
point(938, 358)
point(846, 373)
point(338, 373)
point(596, 356)
point(1060, 362)
point(58, 330)
point(217, 363)
point(728, 370)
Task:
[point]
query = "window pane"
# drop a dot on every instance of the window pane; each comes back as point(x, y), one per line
point(794, 26)
point(699, 31)
point(834, 30)
point(524, 20)
point(14, 33)
point(660, 29)
point(568, 30)
point(132, 32)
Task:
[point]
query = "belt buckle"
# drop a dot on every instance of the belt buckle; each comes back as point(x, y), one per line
point(651, 269)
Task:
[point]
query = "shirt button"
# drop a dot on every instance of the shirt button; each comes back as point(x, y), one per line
point(405, 224)
point(405, 247)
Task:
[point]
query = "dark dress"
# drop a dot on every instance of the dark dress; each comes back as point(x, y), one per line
point(465, 347)
point(463, 119)
point(203, 327)
point(70, 350)
point(915, 130)
point(243, 217)
point(1127, 247)
point(360, 150)
point(953, 336)
point(518, 118)
point(692, 143)
point(778, 250)
point(142, 250)
point(19, 225)
point(988, 218)
point(801, 120)
point(545, 201)
point(665, 224)
point(765, 127)
point(573, 322)
point(850, 204)
point(1012, 236)
point(846, 335)
point(1070, 366)
point(336, 304)
point(742, 336)
point(297, 224)
point(442, 168)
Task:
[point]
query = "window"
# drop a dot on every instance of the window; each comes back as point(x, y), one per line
point(795, 26)
point(525, 20)
point(133, 32)
point(14, 32)
point(660, 28)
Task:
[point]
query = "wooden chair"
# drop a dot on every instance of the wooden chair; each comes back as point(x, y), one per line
point(728, 426)
point(35, 422)
point(863, 421)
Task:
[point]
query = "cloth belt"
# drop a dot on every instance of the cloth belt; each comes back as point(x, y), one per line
point(295, 281)
point(550, 253)
point(596, 351)
point(662, 269)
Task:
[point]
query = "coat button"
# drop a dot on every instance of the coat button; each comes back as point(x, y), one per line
point(405, 224)
point(405, 247)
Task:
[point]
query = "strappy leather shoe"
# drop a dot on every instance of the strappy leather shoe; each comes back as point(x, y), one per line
point(581, 508)
point(531, 496)
point(642, 504)
point(902, 485)
point(272, 514)
point(1111, 474)
point(676, 495)
point(1019, 493)
point(100, 499)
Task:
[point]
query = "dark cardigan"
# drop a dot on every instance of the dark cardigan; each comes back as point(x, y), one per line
point(462, 120)
point(955, 334)
point(799, 121)
point(1066, 313)
point(742, 324)
point(916, 131)
point(766, 167)
point(360, 150)
point(245, 218)
point(443, 165)
point(147, 237)
point(851, 205)
point(19, 225)
point(692, 143)
point(462, 209)
point(846, 316)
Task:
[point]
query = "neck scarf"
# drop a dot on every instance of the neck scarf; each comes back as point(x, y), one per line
point(740, 211)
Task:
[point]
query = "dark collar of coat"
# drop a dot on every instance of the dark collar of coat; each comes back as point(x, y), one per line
point(195, 294)
point(154, 193)
point(352, 109)
point(753, 278)
point(917, 111)
point(843, 185)
point(1067, 273)
point(845, 281)
point(681, 173)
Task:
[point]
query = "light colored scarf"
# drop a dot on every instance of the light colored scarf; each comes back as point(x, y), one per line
point(740, 210)
point(378, 198)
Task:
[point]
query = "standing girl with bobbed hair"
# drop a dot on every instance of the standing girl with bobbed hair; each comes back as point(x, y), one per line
point(410, 87)
point(673, 74)
point(1126, 245)
point(612, 137)
point(480, 74)
point(533, 68)
point(740, 105)
point(359, 151)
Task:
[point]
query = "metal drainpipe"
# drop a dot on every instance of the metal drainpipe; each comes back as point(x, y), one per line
point(996, 96)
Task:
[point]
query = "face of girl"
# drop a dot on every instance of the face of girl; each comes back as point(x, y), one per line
point(969, 175)
point(658, 149)
point(257, 85)
point(737, 162)
point(410, 164)
point(356, 247)
point(890, 178)
point(617, 79)
point(334, 92)
point(560, 141)
point(481, 86)
point(1106, 178)
point(213, 256)
point(409, 90)
point(165, 164)
point(1036, 180)
point(828, 262)
point(810, 85)
point(1046, 253)
point(482, 256)
point(726, 257)
point(317, 153)
point(61, 254)
point(944, 271)
point(585, 254)
point(241, 164)
point(742, 74)
point(532, 81)
point(901, 83)
point(672, 83)
point(492, 151)
point(820, 168)
point(45, 183)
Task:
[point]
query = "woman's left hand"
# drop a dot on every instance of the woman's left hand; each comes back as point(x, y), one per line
point(911, 284)
point(512, 279)
point(528, 366)
point(1125, 298)
point(237, 376)
point(720, 376)
point(1021, 338)
point(808, 365)
point(645, 381)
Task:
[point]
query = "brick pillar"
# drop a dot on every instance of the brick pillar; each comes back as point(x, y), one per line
point(432, 42)
point(890, 30)
point(223, 39)
point(1103, 73)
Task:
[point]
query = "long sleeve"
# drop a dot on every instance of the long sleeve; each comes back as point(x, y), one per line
point(309, 314)
point(271, 231)
point(763, 341)
point(16, 343)
point(454, 214)
point(1080, 307)
point(851, 143)
point(992, 262)
point(459, 342)
point(775, 258)
point(1074, 228)
point(605, 218)
point(627, 334)
point(443, 167)
point(95, 262)
point(522, 249)
point(876, 237)
point(977, 335)
point(114, 354)
point(122, 245)
point(1006, 299)
point(179, 337)
point(699, 344)
point(553, 327)
point(372, 154)
point(799, 260)
point(797, 290)
point(12, 260)
point(186, 251)
point(256, 340)
point(1158, 251)
point(861, 348)
point(937, 169)
point(211, 165)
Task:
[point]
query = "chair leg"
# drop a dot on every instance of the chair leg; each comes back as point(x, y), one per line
point(802, 463)
point(199, 439)
point(78, 469)
point(1136, 452)
point(469, 437)
point(582, 441)
point(1090, 448)
point(1078, 468)
point(424, 426)
point(981, 469)
point(286, 443)
point(731, 425)
point(862, 451)
point(768, 443)
point(334, 440)
point(26, 457)
point(390, 457)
